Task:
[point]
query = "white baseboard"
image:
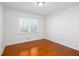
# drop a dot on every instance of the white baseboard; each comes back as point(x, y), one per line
point(64, 44)
point(2, 51)
point(24, 41)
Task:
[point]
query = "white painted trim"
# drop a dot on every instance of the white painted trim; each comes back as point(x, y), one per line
point(29, 40)
point(64, 44)
point(2, 51)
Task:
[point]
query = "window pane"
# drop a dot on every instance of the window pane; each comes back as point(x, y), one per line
point(34, 25)
point(24, 25)
point(28, 25)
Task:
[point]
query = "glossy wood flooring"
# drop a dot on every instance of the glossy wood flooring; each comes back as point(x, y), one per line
point(39, 48)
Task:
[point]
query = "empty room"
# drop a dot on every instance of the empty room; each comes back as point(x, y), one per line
point(39, 28)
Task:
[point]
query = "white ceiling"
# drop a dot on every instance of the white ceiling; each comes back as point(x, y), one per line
point(32, 7)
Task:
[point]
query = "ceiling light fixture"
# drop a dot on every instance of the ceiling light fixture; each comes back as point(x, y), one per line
point(40, 4)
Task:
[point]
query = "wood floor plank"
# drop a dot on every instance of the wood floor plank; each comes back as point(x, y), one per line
point(39, 48)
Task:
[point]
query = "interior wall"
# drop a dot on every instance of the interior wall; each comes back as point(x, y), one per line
point(12, 33)
point(2, 46)
point(63, 27)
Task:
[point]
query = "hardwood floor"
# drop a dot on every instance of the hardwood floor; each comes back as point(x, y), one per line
point(39, 48)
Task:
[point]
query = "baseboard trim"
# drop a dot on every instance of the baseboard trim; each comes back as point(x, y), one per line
point(24, 42)
point(45, 39)
point(2, 51)
point(63, 44)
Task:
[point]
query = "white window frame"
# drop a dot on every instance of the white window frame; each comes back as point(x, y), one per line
point(29, 29)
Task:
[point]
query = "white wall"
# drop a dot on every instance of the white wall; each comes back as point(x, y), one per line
point(1, 28)
point(63, 27)
point(12, 33)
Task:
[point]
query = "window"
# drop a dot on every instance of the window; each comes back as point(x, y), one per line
point(28, 25)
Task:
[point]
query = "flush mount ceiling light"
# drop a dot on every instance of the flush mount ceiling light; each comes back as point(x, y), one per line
point(40, 4)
